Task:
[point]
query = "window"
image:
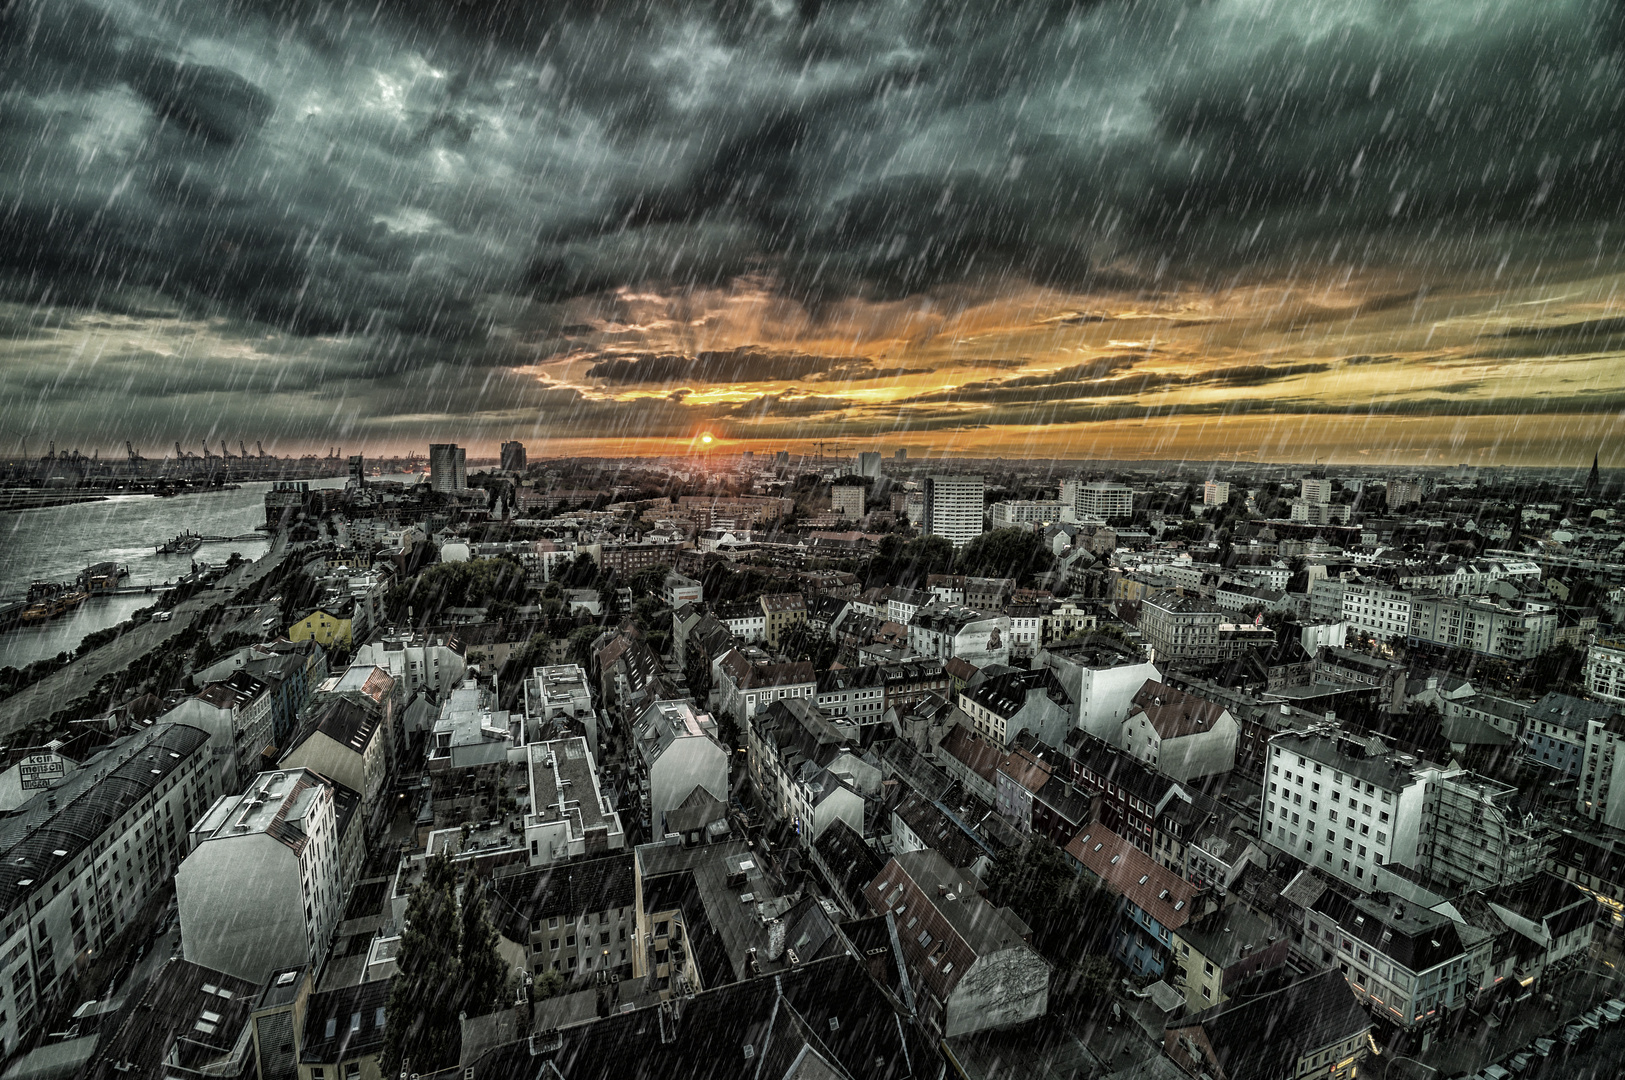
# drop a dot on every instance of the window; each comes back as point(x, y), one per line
point(569, 939)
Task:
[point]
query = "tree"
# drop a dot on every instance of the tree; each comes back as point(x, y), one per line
point(484, 972)
point(649, 581)
point(1011, 553)
point(422, 1028)
point(581, 639)
point(1068, 917)
point(548, 984)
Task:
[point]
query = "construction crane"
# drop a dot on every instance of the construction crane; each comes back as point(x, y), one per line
point(242, 450)
point(179, 455)
point(260, 447)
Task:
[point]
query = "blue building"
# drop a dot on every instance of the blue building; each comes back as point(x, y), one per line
point(1555, 730)
point(1153, 901)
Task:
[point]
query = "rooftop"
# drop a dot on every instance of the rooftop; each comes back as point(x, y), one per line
point(1174, 713)
point(1264, 1037)
point(564, 787)
point(55, 827)
point(276, 804)
point(1126, 870)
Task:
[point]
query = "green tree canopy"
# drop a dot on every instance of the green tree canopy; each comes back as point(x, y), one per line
point(421, 1026)
point(484, 972)
point(1011, 553)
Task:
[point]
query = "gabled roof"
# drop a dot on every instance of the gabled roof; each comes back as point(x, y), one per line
point(1408, 934)
point(1264, 1037)
point(1129, 872)
point(573, 889)
point(343, 721)
point(939, 915)
point(345, 1023)
point(167, 1024)
point(1025, 769)
point(971, 750)
point(1175, 713)
point(822, 1019)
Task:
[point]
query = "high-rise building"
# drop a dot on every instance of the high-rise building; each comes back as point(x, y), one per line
point(902, 453)
point(448, 470)
point(953, 507)
point(358, 470)
point(1215, 493)
point(781, 458)
point(1316, 489)
point(513, 456)
point(1103, 500)
point(869, 463)
point(847, 499)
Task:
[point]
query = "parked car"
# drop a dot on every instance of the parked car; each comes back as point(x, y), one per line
point(1543, 1046)
point(162, 616)
point(1613, 1009)
point(1578, 1034)
point(1496, 1072)
point(1521, 1061)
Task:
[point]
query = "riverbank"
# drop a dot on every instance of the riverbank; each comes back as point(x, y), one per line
point(34, 499)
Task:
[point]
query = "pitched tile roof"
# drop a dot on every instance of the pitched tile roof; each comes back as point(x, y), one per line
point(1126, 870)
point(1175, 713)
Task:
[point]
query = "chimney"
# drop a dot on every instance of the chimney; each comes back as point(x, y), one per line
point(775, 939)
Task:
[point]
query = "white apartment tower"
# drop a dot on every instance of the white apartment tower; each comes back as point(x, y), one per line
point(1104, 500)
point(1215, 493)
point(953, 508)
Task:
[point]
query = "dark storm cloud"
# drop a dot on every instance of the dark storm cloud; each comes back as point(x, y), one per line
point(743, 365)
point(413, 173)
point(1091, 381)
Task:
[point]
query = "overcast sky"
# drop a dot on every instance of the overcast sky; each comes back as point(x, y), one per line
point(1237, 228)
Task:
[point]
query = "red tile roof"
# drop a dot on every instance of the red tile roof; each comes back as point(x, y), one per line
point(1128, 871)
point(1025, 769)
point(1174, 713)
point(965, 746)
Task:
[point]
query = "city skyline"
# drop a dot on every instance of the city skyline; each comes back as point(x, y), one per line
point(1279, 238)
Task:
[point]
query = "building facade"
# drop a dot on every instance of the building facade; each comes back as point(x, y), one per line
point(954, 508)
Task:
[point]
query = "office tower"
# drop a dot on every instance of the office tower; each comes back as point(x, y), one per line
point(869, 463)
point(448, 472)
point(513, 457)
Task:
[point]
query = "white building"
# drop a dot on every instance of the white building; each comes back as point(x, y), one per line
point(1101, 680)
point(236, 712)
point(1315, 489)
point(1379, 610)
point(679, 749)
point(448, 472)
point(1491, 625)
point(557, 695)
point(1215, 493)
point(943, 632)
point(262, 888)
point(1021, 512)
point(678, 589)
point(869, 463)
point(570, 816)
point(1180, 735)
point(1103, 500)
point(1605, 670)
point(82, 860)
point(431, 663)
point(953, 508)
point(1343, 805)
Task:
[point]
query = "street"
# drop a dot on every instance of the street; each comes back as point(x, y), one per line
point(60, 687)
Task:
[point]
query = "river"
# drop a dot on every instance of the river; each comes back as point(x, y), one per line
point(55, 543)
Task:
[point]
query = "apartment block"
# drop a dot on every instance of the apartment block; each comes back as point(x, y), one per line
point(1343, 805)
point(80, 861)
point(954, 507)
point(1103, 500)
point(263, 889)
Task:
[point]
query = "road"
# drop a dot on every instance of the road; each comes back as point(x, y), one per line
point(60, 687)
point(1600, 1059)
